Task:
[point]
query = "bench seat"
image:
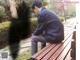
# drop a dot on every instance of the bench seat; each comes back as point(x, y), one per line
point(56, 51)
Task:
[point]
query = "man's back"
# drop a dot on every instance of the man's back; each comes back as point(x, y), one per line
point(51, 26)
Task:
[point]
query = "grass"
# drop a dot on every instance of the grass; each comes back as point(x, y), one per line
point(25, 55)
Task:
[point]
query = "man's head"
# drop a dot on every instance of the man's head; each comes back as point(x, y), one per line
point(36, 7)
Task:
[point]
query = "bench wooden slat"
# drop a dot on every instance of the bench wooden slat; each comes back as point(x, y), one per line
point(60, 48)
point(45, 52)
point(59, 51)
point(63, 54)
point(68, 57)
point(51, 52)
point(41, 51)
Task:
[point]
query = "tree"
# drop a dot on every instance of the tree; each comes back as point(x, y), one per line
point(20, 25)
point(13, 10)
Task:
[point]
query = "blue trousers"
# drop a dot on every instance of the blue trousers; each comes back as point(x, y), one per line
point(34, 43)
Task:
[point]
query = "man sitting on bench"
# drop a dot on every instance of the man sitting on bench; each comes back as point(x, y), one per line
point(49, 28)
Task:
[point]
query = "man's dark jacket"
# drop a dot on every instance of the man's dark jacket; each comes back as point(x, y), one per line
point(49, 26)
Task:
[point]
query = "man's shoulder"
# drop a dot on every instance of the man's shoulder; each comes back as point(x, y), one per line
point(43, 12)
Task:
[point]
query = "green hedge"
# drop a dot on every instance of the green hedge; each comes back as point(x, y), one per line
point(33, 23)
point(4, 25)
point(62, 18)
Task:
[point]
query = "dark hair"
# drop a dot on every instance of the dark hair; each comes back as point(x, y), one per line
point(36, 3)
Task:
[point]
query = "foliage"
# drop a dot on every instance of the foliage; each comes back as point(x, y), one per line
point(33, 23)
point(4, 25)
point(62, 18)
point(2, 11)
point(25, 55)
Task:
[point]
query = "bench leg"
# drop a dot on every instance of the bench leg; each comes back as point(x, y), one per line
point(43, 44)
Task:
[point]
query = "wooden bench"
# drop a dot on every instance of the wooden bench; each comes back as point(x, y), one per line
point(57, 51)
point(73, 45)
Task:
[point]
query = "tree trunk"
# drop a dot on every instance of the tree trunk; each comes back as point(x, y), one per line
point(13, 9)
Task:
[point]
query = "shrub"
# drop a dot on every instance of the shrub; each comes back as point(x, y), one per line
point(4, 25)
point(33, 23)
point(62, 18)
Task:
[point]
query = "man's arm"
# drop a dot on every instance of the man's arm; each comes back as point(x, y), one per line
point(39, 29)
point(41, 26)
